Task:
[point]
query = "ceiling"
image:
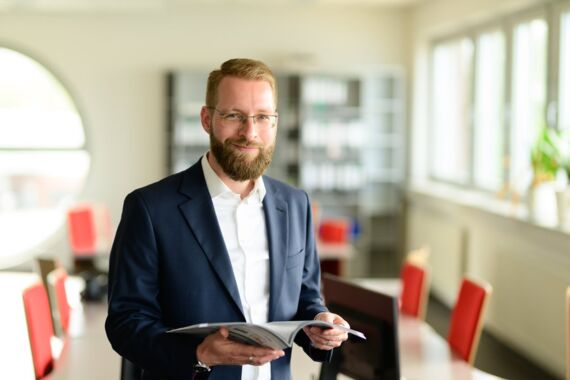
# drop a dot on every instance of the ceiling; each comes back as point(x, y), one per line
point(149, 5)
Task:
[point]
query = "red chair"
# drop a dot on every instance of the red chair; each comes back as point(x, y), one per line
point(40, 328)
point(467, 318)
point(82, 234)
point(414, 293)
point(89, 228)
point(56, 285)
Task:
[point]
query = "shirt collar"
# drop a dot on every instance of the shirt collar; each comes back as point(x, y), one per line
point(217, 187)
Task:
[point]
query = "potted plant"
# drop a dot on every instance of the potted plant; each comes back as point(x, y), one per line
point(546, 161)
point(545, 156)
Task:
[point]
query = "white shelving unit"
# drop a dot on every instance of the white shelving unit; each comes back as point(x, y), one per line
point(340, 137)
point(187, 141)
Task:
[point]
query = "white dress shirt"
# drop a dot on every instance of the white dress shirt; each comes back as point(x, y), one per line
point(242, 223)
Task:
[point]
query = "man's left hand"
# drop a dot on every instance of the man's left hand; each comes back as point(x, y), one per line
point(327, 339)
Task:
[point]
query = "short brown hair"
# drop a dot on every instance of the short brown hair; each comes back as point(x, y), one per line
point(241, 68)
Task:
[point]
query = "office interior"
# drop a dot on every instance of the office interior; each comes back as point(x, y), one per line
point(116, 61)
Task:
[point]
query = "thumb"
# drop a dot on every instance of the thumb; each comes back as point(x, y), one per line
point(224, 332)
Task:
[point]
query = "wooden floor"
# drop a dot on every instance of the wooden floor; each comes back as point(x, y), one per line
point(493, 356)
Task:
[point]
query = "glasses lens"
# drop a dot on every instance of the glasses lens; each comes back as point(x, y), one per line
point(264, 121)
point(236, 120)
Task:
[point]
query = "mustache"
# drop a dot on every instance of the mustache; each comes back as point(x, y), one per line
point(242, 141)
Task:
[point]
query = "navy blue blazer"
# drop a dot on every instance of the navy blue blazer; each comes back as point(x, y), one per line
point(169, 268)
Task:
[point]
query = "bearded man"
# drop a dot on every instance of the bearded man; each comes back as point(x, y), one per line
point(219, 242)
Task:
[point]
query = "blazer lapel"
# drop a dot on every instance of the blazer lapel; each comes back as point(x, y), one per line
point(275, 210)
point(201, 218)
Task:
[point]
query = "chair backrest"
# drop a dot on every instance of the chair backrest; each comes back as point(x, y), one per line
point(89, 227)
point(415, 286)
point(61, 310)
point(467, 318)
point(40, 327)
point(82, 234)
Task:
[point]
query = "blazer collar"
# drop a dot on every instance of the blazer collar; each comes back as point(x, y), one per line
point(199, 213)
point(276, 216)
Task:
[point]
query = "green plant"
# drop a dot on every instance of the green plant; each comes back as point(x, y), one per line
point(565, 153)
point(546, 158)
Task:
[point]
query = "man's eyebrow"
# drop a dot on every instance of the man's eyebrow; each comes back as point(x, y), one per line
point(263, 110)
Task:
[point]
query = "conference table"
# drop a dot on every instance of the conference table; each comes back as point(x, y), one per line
point(424, 354)
point(86, 353)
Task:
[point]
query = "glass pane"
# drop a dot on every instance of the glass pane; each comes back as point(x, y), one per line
point(489, 100)
point(43, 164)
point(35, 110)
point(450, 95)
point(40, 179)
point(564, 85)
point(528, 97)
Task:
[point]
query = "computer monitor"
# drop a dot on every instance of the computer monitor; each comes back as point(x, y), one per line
point(376, 315)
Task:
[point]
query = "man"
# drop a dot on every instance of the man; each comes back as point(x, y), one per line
point(219, 242)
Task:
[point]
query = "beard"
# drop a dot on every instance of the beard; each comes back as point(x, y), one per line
point(238, 165)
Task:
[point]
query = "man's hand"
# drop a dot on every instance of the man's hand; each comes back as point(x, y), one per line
point(217, 349)
point(327, 339)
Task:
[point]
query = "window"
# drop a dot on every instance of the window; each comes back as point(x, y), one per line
point(489, 94)
point(450, 97)
point(488, 126)
point(528, 96)
point(564, 72)
point(43, 160)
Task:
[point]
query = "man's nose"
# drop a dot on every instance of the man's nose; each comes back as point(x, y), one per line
point(249, 129)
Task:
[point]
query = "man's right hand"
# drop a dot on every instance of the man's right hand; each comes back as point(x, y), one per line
point(218, 349)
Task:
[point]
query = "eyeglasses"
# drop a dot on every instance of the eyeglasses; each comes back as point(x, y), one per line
point(235, 120)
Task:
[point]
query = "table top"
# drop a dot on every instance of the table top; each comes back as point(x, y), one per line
point(335, 251)
point(424, 354)
point(87, 354)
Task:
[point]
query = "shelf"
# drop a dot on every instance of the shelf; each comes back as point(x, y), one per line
point(340, 138)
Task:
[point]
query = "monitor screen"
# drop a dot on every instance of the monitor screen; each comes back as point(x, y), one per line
point(376, 315)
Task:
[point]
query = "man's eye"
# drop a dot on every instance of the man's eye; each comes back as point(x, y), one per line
point(232, 116)
point(262, 117)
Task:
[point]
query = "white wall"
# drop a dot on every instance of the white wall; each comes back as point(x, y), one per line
point(527, 265)
point(114, 64)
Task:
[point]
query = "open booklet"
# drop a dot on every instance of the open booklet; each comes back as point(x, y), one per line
point(276, 335)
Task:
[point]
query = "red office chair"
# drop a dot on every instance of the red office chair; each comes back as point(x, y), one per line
point(40, 328)
point(415, 285)
point(82, 234)
point(61, 312)
point(467, 318)
point(90, 236)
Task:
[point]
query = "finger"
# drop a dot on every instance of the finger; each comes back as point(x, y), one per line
point(262, 359)
point(327, 341)
point(224, 332)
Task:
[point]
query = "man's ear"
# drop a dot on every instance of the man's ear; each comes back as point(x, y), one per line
point(206, 119)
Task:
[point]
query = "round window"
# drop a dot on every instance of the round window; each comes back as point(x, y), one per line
point(43, 160)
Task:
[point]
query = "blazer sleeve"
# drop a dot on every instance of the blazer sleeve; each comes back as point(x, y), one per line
point(310, 301)
point(134, 323)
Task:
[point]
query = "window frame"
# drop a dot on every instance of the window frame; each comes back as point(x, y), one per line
point(56, 212)
point(551, 13)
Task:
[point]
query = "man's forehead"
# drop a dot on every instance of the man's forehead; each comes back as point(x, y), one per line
point(238, 89)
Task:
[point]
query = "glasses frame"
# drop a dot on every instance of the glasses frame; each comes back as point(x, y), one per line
point(243, 117)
